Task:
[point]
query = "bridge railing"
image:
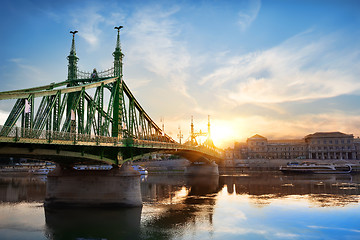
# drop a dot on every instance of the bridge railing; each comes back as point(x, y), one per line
point(102, 74)
point(17, 133)
point(167, 145)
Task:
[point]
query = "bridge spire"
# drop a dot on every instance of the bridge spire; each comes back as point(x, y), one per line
point(209, 141)
point(118, 55)
point(118, 110)
point(72, 67)
point(72, 76)
point(192, 134)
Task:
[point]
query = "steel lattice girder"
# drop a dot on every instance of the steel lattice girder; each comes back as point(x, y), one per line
point(128, 117)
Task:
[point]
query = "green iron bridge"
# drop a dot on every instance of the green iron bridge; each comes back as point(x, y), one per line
point(72, 124)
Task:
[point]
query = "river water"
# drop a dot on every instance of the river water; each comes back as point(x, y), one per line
point(256, 205)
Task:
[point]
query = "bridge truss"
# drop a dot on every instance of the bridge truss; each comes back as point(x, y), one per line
point(75, 113)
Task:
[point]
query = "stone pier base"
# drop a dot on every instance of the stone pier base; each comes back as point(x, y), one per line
point(202, 169)
point(95, 188)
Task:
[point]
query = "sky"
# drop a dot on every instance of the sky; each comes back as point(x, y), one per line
point(282, 69)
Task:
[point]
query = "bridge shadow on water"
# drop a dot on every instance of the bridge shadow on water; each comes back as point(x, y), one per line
point(64, 224)
point(178, 201)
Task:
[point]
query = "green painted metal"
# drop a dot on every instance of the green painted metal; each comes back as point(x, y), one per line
point(132, 118)
point(117, 128)
point(100, 110)
point(80, 111)
point(118, 55)
point(117, 118)
point(72, 76)
point(108, 120)
point(73, 59)
point(70, 115)
point(138, 124)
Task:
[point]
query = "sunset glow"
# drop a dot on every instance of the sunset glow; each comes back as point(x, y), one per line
point(256, 67)
point(222, 135)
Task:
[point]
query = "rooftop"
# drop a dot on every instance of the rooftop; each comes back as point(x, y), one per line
point(329, 135)
point(257, 137)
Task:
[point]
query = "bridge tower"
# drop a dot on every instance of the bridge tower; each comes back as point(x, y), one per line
point(118, 55)
point(72, 76)
point(73, 59)
point(209, 142)
point(118, 98)
point(192, 135)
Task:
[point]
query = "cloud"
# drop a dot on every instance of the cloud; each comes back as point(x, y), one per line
point(303, 67)
point(240, 127)
point(20, 69)
point(335, 228)
point(3, 116)
point(297, 128)
point(89, 21)
point(154, 34)
point(248, 14)
point(286, 235)
point(239, 231)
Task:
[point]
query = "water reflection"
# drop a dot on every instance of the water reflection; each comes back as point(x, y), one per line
point(18, 189)
point(64, 224)
point(174, 204)
point(321, 190)
point(253, 205)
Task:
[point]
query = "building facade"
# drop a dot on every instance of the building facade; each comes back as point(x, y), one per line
point(331, 145)
point(320, 145)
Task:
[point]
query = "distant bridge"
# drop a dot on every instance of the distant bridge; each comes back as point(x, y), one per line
point(90, 117)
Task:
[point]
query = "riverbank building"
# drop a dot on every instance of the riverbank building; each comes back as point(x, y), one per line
point(319, 145)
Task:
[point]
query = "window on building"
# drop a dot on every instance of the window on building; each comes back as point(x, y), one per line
point(330, 141)
point(336, 141)
point(324, 141)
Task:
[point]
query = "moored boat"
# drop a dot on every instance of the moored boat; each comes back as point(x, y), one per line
point(92, 167)
point(42, 171)
point(314, 168)
point(355, 167)
point(140, 169)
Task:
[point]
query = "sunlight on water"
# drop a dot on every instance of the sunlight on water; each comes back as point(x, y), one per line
point(22, 221)
point(285, 217)
point(246, 206)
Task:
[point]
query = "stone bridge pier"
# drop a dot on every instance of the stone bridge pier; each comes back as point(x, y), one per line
point(93, 188)
point(202, 168)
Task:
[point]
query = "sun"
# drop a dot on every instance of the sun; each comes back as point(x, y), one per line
point(223, 135)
